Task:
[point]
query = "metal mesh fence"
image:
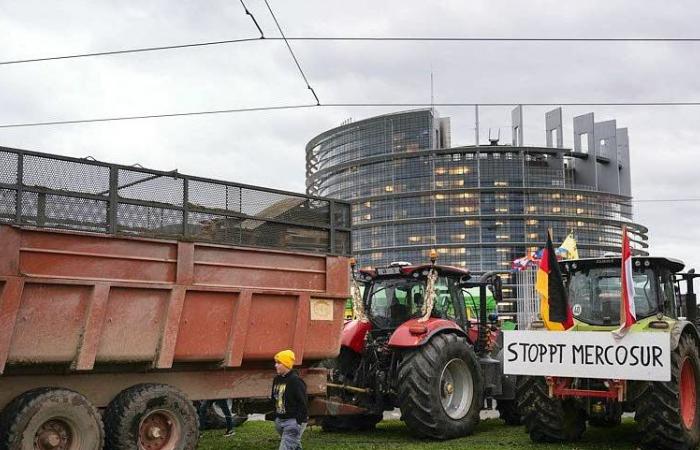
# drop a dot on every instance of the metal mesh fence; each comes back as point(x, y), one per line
point(79, 194)
point(528, 301)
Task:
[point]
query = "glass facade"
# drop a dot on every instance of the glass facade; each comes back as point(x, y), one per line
point(479, 207)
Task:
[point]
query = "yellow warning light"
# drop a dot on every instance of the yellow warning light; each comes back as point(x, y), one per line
point(433, 256)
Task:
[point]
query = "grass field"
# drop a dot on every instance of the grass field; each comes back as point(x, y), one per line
point(491, 434)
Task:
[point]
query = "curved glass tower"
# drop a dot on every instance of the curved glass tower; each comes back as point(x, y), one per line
point(481, 207)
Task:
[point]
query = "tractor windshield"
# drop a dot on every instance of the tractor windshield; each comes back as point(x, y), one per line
point(390, 302)
point(595, 295)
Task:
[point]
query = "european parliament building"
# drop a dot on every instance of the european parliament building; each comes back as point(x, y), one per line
point(480, 207)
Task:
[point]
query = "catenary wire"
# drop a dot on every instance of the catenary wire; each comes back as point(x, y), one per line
point(245, 8)
point(157, 116)
point(329, 105)
point(344, 38)
point(291, 52)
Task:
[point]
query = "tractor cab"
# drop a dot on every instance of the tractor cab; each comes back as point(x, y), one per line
point(594, 288)
point(396, 294)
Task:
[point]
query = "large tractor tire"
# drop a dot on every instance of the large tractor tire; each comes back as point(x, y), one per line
point(360, 422)
point(151, 417)
point(51, 419)
point(441, 388)
point(668, 413)
point(548, 419)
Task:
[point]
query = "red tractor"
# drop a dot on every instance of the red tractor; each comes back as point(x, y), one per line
point(413, 347)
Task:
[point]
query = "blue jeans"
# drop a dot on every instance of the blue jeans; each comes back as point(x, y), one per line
point(290, 432)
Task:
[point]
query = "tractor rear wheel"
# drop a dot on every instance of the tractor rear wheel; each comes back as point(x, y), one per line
point(668, 413)
point(549, 419)
point(441, 388)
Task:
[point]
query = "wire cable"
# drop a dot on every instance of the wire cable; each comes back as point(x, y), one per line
point(344, 38)
point(334, 105)
point(157, 116)
point(133, 50)
point(308, 85)
point(262, 35)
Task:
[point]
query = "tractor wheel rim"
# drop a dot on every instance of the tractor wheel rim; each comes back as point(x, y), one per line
point(456, 388)
point(688, 394)
point(54, 434)
point(159, 430)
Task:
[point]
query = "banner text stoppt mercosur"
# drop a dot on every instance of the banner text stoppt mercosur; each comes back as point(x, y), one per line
point(638, 356)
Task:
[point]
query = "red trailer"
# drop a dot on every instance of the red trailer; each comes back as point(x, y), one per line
point(146, 290)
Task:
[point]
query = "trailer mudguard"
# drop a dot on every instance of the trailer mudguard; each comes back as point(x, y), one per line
point(353, 335)
point(414, 333)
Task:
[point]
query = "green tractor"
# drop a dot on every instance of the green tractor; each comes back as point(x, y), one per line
point(558, 408)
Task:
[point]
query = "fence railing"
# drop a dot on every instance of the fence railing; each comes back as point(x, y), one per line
point(53, 191)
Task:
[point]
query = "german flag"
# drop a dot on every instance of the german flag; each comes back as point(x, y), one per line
point(554, 302)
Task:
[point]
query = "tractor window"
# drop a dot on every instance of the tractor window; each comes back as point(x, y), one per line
point(595, 295)
point(444, 306)
point(392, 302)
point(668, 294)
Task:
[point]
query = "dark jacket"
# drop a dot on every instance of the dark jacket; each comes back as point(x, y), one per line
point(289, 397)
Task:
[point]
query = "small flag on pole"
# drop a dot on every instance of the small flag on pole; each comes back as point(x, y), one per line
point(554, 303)
point(569, 245)
point(628, 315)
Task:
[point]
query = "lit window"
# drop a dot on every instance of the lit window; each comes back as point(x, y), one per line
point(579, 197)
point(440, 171)
point(579, 224)
point(532, 235)
point(439, 196)
point(502, 250)
point(556, 209)
point(532, 208)
point(469, 222)
point(579, 210)
point(556, 195)
point(501, 210)
point(389, 188)
point(502, 236)
point(500, 183)
point(367, 216)
point(368, 204)
point(531, 222)
point(414, 238)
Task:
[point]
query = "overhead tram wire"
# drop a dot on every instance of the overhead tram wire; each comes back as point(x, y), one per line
point(291, 52)
point(245, 8)
point(341, 38)
point(157, 116)
point(332, 105)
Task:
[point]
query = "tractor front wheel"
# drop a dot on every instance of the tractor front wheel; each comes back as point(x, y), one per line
point(441, 388)
point(548, 419)
point(668, 413)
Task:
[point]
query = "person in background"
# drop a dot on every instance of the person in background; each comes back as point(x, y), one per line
point(223, 404)
point(289, 397)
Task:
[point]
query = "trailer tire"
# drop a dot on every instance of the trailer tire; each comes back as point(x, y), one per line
point(359, 422)
point(508, 412)
point(51, 417)
point(668, 413)
point(151, 417)
point(441, 388)
point(549, 419)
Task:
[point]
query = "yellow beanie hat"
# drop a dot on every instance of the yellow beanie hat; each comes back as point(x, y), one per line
point(286, 358)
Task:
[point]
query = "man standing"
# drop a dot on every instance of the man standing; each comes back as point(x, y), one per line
point(289, 397)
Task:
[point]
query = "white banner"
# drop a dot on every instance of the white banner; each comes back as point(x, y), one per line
point(587, 354)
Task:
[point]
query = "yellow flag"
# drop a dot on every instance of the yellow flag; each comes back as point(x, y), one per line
point(569, 245)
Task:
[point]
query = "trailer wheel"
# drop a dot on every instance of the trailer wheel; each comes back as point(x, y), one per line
point(441, 388)
point(549, 419)
point(151, 417)
point(359, 422)
point(508, 412)
point(668, 413)
point(50, 419)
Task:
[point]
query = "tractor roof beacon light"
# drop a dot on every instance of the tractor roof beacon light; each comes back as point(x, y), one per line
point(433, 256)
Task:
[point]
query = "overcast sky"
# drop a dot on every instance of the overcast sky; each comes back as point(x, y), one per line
point(267, 148)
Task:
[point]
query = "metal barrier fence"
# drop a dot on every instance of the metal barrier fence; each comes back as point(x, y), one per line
point(53, 191)
point(528, 301)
